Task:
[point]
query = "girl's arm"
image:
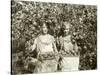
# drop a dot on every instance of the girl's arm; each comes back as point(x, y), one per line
point(55, 48)
point(34, 45)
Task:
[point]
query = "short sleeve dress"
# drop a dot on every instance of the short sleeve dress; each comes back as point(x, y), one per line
point(46, 56)
point(69, 52)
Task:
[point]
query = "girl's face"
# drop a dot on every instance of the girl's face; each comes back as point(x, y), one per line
point(66, 30)
point(44, 29)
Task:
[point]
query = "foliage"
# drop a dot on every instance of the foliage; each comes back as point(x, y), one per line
point(27, 18)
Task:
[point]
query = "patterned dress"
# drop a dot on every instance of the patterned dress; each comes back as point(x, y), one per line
point(46, 54)
point(69, 54)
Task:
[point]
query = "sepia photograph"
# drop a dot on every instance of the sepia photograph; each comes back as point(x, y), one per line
point(52, 37)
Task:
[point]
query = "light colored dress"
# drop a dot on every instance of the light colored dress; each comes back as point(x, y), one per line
point(69, 53)
point(46, 54)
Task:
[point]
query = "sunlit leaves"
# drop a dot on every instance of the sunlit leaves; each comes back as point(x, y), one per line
point(27, 18)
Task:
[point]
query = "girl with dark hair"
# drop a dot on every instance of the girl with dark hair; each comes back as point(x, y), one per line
point(46, 50)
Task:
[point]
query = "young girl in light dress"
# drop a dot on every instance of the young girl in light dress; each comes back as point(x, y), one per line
point(46, 50)
point(68, 51)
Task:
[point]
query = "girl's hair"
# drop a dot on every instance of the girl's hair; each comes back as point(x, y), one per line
point(46, 24)
point(63, 27)
point(66, 24)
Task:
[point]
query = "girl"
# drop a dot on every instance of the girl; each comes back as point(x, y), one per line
point(68, 51)
point(46, 50)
